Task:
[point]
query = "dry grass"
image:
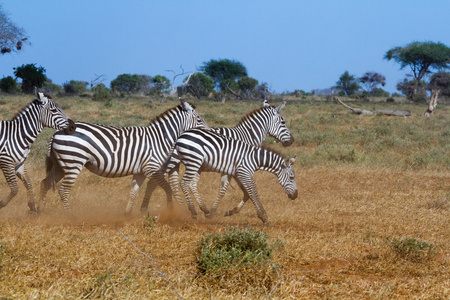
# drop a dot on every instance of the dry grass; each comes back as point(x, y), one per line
point(337, 232)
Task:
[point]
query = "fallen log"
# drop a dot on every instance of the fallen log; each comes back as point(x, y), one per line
point(386, 112)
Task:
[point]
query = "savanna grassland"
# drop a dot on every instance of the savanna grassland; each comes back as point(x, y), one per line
point(372, 220)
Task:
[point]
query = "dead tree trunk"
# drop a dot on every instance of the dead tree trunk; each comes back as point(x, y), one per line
point(432, 103)
point(386, 112)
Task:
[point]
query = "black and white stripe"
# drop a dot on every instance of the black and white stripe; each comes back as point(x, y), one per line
point(17, 136)
point(206, 151)
point(253, 129)
point(111, 151)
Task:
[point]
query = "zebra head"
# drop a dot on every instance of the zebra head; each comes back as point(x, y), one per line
point(193, 119)
point(277, 124)
point(52, 114)
point(286, 177)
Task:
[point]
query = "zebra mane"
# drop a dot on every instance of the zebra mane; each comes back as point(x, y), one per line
point(167, 112)
point(248, 115)
point(20, 111)
point(34, 102)
point(272, 150)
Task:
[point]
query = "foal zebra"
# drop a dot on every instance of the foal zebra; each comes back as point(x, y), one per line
point(253, 129)
point(110, 151)
point(17, 136)
point(201, 150)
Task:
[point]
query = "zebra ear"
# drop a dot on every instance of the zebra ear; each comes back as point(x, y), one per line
point(280, 107)
point(292, 160)
point(37, 94)
point(186, 106)
point(266, 103)
point(285, 162)
point(40, 96)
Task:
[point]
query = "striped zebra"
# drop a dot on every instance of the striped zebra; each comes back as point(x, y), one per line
point(110, 151)
point(253, 129)
point(17, 136)
point(207, 151)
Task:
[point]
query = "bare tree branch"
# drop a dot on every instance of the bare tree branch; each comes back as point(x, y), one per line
point(387, 112)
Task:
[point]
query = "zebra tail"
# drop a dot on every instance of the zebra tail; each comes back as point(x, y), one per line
point(51, 166)
point(171, 162)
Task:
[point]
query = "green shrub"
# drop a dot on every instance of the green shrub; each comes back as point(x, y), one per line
point(234, 248)
point(412, 249)
point(3, 247)
point(102, 93)
point(8, 85)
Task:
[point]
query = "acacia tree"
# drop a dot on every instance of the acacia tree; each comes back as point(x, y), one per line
point(421, 57)
point(225, 73)
point(127, 83)
point(371, 80)
point(347, 84)
point(31, 76)
point(12, 37)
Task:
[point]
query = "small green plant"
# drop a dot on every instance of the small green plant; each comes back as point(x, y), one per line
point(234, 248)
point(412, 249)
point(3, 247)
point(102, 94)
point(150, 221)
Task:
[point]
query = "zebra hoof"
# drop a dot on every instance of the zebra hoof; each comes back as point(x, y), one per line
point(32, 213)
point(267, 224)
point(194, 217)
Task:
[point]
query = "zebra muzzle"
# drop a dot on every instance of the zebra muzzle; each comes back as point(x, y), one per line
point(288, 142)
point(70, 128)
point(293, 196)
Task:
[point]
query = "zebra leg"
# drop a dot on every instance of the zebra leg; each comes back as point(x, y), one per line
point(185, 183)
point(138, 179)
point(193, 186)
point(174, 179)
point(66, 185)
point(54, 175)
point(250, 187)
point(224, 182)
point(238, 208)
point(10, 175)
point(23, 175)
point(155, 179)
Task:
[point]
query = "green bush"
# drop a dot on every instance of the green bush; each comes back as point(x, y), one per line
point(234, 248)
point(75, 87)
point(102, 93)
point(412, 249)
point(8, 85)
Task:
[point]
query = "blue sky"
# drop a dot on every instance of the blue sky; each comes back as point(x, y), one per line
point(288, 44)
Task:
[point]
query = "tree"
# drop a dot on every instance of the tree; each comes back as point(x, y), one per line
point(75, 87)
point(371, 81)
point(440, 81)
point(421, 57)
point(8, 85)
point(439, 84)
point(412, 90)
point(127, 83)
point(200, 85)
point(31, 77)
point(347, 84)
point(224, 72)
point(160, 84)
point(12, 37)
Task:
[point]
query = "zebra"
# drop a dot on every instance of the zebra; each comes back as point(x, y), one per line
point(200, 150)
point(253, 129)
point(111, 151)
point(17, 136)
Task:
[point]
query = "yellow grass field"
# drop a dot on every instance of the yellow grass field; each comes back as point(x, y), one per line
point(363, 182)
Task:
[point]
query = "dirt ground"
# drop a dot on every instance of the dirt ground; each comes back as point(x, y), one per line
point(336, 238)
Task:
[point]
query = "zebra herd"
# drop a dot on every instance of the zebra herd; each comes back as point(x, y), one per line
point(179, 135)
